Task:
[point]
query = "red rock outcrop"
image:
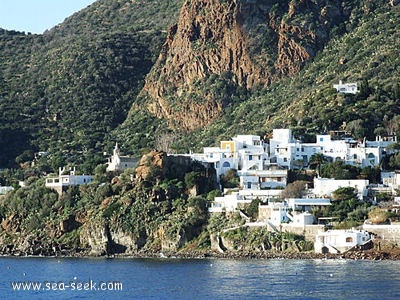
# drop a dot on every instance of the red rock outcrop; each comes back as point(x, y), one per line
point(246, 43)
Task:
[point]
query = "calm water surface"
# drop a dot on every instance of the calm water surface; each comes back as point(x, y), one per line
point(200, 279)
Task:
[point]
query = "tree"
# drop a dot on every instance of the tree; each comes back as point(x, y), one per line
point(378, 216)
point(357, 128)
point(26, 156)
point(372, 174)
point(339, 170)
point(316, 162)
point(345, 193)
point(294, 189)
point(252, 209)
point(230, 179)
point(364, 91)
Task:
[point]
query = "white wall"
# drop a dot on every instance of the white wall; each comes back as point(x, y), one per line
point(323, 187)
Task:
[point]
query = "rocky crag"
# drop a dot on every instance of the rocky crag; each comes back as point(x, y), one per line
point(217, 46)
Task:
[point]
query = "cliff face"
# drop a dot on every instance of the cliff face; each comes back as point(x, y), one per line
point(219, 45)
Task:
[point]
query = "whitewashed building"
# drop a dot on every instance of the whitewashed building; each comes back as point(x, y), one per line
point(324, 187)
point(232, 201)
point(306, 204)
point(391, 179)
point(5, 189)
point(338, 241)
point(346, 88)
point(117, 162)
point(62, 181)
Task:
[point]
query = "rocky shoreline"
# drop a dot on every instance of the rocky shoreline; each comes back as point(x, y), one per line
point(371, 254)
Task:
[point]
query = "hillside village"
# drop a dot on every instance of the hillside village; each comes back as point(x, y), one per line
point(262, 169)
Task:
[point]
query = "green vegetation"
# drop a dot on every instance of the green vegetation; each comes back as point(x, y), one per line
point(65, 91)
point(346, 208)
point(140, 209)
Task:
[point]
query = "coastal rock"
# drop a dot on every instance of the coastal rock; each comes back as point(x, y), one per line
point(94, 236)
point(11, 223)
point(69, 224)
point(102, 239)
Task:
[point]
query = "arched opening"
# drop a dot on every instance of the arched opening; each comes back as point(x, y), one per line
point(226, 165)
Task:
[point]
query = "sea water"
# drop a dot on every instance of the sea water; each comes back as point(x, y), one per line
point(73, 278)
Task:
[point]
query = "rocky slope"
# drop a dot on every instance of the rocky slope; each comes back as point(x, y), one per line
point(240, 43)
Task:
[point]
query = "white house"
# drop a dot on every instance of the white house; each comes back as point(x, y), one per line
point(324, 187)
point(62, 181)
point(346, 88)
point(306, 204)
point(277, 213)
point(232, 201)
point(228, 203)
point(5, 189)
point(338, 241)
point(117, 162)
point(263, 179)
point(391, 179)
point(301, 219)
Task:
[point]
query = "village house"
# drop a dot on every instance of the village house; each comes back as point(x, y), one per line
point(339, 241)
point(346, 88)
point(5, 189)
point(391, 180)
point(324, 187)
point(61, 182)
point(232, 201)
point(307, 204)
point(119, 163)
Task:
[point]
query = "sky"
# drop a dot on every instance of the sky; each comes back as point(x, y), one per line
point(36, 16)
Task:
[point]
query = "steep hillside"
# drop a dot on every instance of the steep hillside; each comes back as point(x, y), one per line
point(67, 89)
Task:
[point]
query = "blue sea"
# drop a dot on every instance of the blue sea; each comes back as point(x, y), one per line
point(84, 278)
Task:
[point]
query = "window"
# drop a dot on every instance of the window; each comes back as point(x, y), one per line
point(285, 159)
point(349, 239)
point(226, 165)
point(321, 139)
point(250, 157)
